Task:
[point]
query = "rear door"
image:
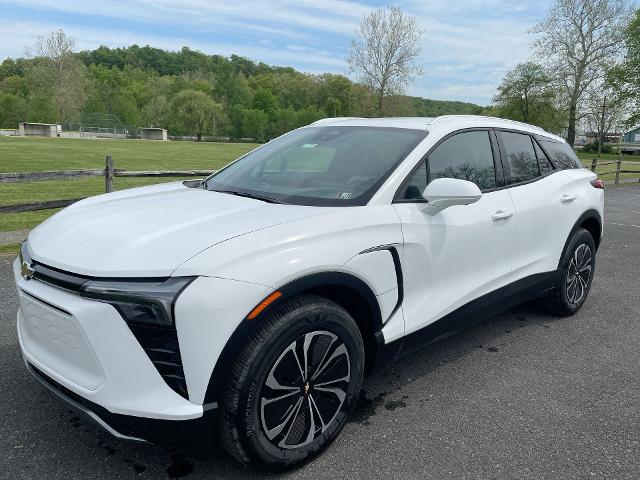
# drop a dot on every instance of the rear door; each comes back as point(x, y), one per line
point(542, 201)
point(463, 252)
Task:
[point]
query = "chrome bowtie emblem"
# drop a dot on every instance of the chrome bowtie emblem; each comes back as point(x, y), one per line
point(26, 271)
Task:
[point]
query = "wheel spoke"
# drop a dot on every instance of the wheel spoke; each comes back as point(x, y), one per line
point(269, 401)
point(341, 394)
point(317, 410)
point(577, 297)
point(293, 412)
point(283, 442)
point(572, 271)
point(340, 350)
point(571, 290)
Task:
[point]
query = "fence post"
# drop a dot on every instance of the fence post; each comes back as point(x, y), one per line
point(108, 175)
point(618, 166)
point(594, 165)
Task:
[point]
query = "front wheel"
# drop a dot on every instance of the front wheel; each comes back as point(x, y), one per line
point(294, 384)
point(577, 269)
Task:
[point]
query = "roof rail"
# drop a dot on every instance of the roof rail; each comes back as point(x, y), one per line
point(445, 118)
point(333, 119)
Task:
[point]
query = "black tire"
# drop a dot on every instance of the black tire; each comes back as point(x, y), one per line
point(575, 283)
point(249, 412)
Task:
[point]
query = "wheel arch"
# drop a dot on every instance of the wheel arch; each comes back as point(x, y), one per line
point(590, 221)
point(345, 289)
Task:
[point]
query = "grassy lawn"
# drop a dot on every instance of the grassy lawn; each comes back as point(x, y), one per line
point(34, 154)
point(10, 250)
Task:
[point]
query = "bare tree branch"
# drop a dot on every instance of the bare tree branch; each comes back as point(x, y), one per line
point(384, 52)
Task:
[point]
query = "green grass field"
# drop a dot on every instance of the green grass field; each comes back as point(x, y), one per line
point(34, 154)
point(586, 159)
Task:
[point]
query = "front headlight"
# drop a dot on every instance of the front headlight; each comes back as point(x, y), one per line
point(148, 302)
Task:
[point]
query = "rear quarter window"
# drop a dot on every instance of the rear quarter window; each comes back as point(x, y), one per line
point(561, 154)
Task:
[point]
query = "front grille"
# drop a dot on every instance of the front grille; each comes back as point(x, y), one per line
point(161, 346)
point(160, 343)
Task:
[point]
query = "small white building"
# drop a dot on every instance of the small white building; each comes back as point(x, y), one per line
point(153, 133)
point(37, 129)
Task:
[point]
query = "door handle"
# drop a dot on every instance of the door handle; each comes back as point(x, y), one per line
point(501, 215)
point(568, 197)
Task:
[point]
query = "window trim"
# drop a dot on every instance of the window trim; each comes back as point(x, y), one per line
point(497, 165)
point(553, 167)
point(503, 155)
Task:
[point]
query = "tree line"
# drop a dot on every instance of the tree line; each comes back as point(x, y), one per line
point(191, 93)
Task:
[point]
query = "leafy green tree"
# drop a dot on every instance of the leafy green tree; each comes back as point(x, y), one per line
point(309, 115)
point(40, 108)
point(266, 101)
point(254, 124)
point(156, 113)
point(13, 110)
point(194, 112)
point(15, 85)
point(526, 94)
point(335, 95)
point(625, 77)
point(576, 41)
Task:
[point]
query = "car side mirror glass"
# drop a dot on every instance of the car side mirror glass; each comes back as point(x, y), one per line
point(442, 193)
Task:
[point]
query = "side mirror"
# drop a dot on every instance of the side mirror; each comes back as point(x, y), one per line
point(442, 193)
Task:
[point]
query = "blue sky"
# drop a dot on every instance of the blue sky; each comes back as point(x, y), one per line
point(467, 45)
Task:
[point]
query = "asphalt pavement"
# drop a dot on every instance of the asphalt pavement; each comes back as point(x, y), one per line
point(520, 396)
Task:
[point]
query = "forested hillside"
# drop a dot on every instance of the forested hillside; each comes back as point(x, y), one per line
point(188, 92)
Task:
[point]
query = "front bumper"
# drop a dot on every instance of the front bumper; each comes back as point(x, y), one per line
point(195, 433)
point(87, 347)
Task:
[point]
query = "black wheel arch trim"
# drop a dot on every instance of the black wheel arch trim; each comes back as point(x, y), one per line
point(237, 340)
point(589, 214)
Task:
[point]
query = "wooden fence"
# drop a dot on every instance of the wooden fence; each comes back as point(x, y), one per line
point(618, 163)
point(109, 173)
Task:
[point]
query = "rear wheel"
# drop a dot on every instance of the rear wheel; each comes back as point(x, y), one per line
point(577, 269)
point(294, 384)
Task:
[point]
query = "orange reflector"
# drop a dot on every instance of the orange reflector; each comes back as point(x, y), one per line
point(264, 304)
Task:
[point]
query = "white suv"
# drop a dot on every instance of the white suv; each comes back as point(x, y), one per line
point(252, 303)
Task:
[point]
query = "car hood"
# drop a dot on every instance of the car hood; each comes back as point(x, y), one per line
point(150, 231)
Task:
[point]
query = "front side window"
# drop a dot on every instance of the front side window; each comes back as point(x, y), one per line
point(561, 154)
point(521, 162)
point(466, 156)
point(323, 165)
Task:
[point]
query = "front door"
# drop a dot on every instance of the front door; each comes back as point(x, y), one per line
point(462, 253)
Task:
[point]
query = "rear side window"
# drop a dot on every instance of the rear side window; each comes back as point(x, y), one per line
point(561, 154)
point(543, 161)
point(521, 162)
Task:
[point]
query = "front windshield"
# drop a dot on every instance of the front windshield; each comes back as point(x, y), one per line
point(323, 165)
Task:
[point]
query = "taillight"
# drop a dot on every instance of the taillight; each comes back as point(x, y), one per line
point(597, 183)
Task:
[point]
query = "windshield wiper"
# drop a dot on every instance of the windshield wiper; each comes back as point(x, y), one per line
point(255, 196)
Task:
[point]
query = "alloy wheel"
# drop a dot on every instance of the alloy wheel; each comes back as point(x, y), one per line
point(579, 274)
point(305, 390)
